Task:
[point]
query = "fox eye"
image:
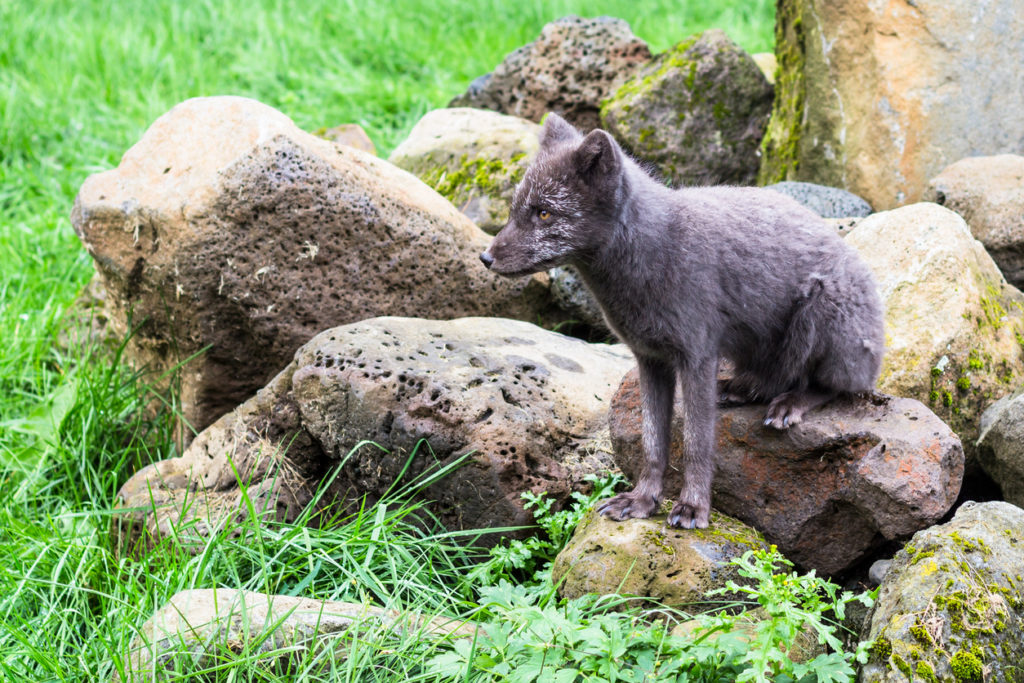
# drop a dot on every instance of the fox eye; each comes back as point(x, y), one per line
point(543, 214)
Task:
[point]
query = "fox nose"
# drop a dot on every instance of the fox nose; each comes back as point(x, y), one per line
point(487, 259)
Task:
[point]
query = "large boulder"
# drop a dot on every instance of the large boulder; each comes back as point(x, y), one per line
point(951, 607)
point(645, 558)
point(472, 157)
point(855, 474)
point(989, 193)
point(389, 399)
point(569, 69)
point(203, 628)
point(697, 112)
point(878, 97)
point(953, 325)
point(229, 234)
point(1001, 446)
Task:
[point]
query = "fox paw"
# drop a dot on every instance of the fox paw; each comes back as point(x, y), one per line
point(687, 516)
point(785, 410)
point(629, 505)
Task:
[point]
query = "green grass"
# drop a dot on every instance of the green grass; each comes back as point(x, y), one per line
point(79, 83)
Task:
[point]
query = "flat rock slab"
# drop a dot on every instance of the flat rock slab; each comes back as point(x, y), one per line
point(1001, 446)
point(229, 234)
point(644, 557)
point(359, 400)
point(857, 472)
point(201, 628)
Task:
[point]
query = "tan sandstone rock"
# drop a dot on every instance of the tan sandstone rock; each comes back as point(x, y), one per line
point(953, 325)
point(228, 233)
point(878, 97)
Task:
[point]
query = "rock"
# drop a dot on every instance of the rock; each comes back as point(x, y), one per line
point(351, 134)
point(646, 558)
point(573, 297)
point(530, 405)
point(878, 570)
point(767, 63)
point(989, 193)
point(230, 234)
point(1001, 446)
point(697, 112)
point(952, 323)
point(472, 157)
point(951, 607)
point(198, 629)
point(856, 473)
point(569, 69)
point(827, 202)
point(804, 648)
point(878, 97)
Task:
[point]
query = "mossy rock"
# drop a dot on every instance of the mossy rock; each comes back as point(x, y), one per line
point(954, 327)
point(951, 607)
point(473, 158)
point(648, 559)
point(697, 112)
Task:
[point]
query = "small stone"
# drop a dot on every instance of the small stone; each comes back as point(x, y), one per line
point(352, 135)
point(827, 202)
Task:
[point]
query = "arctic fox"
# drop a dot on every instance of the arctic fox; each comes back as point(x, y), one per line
point(687, 276)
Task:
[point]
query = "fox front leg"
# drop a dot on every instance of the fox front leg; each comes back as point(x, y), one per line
point(693, 508)
point(657, 386)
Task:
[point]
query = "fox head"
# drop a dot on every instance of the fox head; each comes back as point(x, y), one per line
point(565, 204)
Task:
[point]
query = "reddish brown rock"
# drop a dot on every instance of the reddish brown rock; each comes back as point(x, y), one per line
point(855, 473)
point(229, 234)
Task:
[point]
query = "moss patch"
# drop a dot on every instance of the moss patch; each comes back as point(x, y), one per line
point(780, 145)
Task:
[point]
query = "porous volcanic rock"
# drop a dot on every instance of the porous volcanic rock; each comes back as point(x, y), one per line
point(1001, 446)
point(388, 399)
point(878, 97)
point(697, 112)
point(198, 628)
point(989, 193)
point(952, 324)
point(856, 473)
point(951, 606)
point(569, 69)
point(229, 233)
point(473, 157)
point(644, 557)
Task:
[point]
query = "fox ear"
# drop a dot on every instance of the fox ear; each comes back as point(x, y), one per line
point(556, 129)
point(597, 156)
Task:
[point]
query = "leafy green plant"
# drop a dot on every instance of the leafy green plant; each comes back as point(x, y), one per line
point(793, 603)
point(528, 561)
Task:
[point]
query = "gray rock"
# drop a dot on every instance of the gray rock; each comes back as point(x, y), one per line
point(573, 297)
point(878, 97)
point(646, 558)
point(827, 202)
point(989, 193)
point(697, 112)
point(530, 405)
point(1001, 446)
point(856, 473)
point(236, 237)
point(569, 69)
point(951, 607)
point(878, 570)
point(474, 158)
point(197, 628)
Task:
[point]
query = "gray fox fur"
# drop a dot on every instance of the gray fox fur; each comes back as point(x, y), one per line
point(687, 276)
